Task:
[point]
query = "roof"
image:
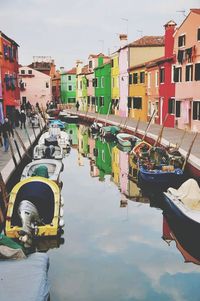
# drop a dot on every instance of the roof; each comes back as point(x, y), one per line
point(195, 10)
point(148, 41)
point(7, 38)
point(71, 71)
point(98, 55)
point(152, 63)
point(192, 10)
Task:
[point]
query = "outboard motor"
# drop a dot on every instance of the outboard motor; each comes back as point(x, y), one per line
point(30, 219)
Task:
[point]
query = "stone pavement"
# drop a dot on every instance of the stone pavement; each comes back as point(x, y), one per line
point(7, 165)
point(170, 135)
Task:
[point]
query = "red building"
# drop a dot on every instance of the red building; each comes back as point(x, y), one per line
point(9, 68)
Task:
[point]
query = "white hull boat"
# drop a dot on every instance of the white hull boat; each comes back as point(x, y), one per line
point(42, 151)
point(62, 137)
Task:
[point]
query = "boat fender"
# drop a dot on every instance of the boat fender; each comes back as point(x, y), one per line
point(61, 211)
point(61, 222)
point(62, 201)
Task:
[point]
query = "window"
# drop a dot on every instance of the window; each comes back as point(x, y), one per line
point(189, 73)
point(198, 34)
point(178, 109)
point(113, 82)
point(87, 82)
point(171, 106)
point(69, 77)
point(130, 79)
point(22, 71)
point(181, 41)
point(102, 82)
point(70, 88)
point(142, 77)
point(197, 71)
point(196, 110)
point(29, 71)
point(156, 79)
point(112, 63)
point(177, 76)
point(135, 78)
point(93, 100)
point(94, 82)
point(101, 101)
point(137, 102)
point(88, 100)
point(47, 85)
point(90, 64)
point(162, 75)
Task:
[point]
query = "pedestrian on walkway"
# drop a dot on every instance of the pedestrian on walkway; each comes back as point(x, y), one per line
point(77, 105)
point(7, 131)
point(23, 119)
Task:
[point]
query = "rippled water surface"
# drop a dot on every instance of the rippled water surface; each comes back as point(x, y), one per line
point(116, 244)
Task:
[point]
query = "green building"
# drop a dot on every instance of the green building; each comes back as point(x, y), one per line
point(68, 86)
point(102, 83)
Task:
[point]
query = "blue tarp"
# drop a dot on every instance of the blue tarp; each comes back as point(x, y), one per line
point(25, 279)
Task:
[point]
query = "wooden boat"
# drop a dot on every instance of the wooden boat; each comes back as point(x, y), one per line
point(67, 117)
point(127, 140)
point(109, 132)
point(61, 136)
point(184, 203)
point(34, 209)
point(42, 151)
point(141, 149)
point(156, 168)
point(51, 169)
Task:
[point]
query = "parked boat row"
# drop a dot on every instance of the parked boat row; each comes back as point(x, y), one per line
point(35, 207)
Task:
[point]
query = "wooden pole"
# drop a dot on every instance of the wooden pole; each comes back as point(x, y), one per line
point(189, 151)
point(22, 143)
point(12, 152)
point(161, 131)
point(149, 123)
point(137, 125)
point(34, 132)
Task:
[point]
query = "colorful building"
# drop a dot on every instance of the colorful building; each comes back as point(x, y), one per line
point(35, 86)
point(187, 72)
point(137, 100)
point(81, 85)
point(103, 87)
point(115, 165)
point(9, 68)
point(56, 87)
point(134, 54)
point(68, 86)
point(115, 82)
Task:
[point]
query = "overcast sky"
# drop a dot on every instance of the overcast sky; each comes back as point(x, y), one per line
point(68, 30)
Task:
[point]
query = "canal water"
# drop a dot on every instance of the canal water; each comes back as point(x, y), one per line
point(117, 245)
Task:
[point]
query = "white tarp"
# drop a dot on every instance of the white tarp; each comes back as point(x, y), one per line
point(25, 279)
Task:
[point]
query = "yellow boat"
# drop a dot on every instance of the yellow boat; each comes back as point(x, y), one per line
point(41, 194)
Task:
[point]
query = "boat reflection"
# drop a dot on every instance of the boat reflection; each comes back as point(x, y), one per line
point(187, 244)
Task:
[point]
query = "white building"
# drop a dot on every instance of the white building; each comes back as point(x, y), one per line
point(35, 86)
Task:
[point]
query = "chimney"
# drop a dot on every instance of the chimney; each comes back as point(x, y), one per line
point(123, 39)
point(79, 65)
point(169, 37)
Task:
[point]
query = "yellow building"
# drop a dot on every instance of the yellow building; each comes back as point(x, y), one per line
point(115, 165)
point(115, 82)
point(137, 100)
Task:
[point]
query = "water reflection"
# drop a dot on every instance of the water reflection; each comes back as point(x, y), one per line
point(113, 248)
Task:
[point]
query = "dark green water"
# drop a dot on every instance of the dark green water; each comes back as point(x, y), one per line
point(114, 253)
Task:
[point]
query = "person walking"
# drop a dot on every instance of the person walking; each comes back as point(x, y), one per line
point(23, 119)
point(77, 105)
point(7, 131)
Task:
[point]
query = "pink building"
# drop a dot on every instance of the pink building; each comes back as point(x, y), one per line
point(187, 72)
point(35, 86)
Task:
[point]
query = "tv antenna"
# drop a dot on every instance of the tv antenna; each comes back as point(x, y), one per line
point(182, 12)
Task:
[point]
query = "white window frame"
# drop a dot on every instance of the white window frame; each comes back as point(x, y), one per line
point(149, 80)
point(191, 73)
point(156, 78)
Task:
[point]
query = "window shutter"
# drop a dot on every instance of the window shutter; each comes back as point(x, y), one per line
point(198, 34)
point(130, 79)
point(195, 104)
point(129, 102)
point(178, 109)
point(170, 106)
point(197, 71)
point(187, 73)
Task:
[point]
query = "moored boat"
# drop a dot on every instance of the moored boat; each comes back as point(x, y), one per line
point(34, 209)
point(109, 132)
point(55, 132)
point(127, 140)
point(48, 168)
point(184, 204)
point(42, 151)
point(57, 123)
point(68, 117)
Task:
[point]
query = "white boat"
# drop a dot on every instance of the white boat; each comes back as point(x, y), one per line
point(127, 140)
point(55, 132)
point(184, 203)
point(42, 151)
point(52, 172)
point(67, 117)
point(95, 127)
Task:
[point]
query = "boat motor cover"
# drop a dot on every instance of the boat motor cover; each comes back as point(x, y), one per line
point(25, 279)
point(188, 193)
point(41, 171)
